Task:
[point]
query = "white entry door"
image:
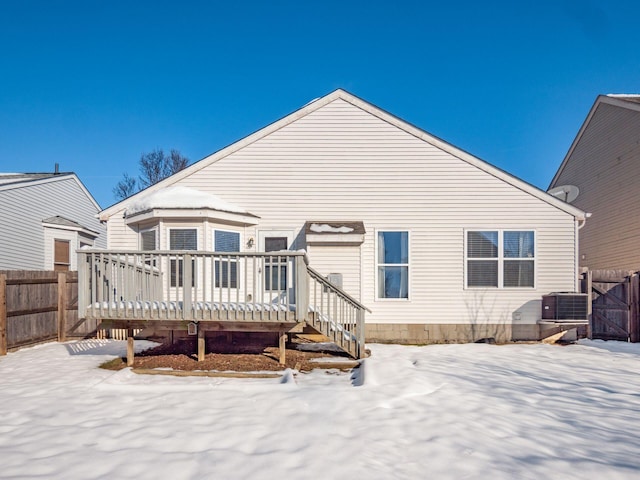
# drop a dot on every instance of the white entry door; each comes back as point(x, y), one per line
point(277, 273)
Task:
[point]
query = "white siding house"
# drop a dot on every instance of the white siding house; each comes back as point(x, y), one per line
point(44, 219)
point(604, 164)
point(438, 244)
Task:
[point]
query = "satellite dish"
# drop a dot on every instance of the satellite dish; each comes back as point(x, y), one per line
point(567, 193)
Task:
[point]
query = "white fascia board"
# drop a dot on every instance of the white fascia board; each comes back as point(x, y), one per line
point(179, 213)
point(335, 239)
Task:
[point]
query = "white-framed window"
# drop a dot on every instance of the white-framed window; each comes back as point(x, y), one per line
point(182, 239)
point(61, 255)
point(149, 240)
point(226, 269)
point(500, 258)
point(392, 264)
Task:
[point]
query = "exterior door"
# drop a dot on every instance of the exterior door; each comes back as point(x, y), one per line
point(277, 271)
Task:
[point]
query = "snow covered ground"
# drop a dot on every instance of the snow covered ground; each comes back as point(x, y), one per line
point(441, 412)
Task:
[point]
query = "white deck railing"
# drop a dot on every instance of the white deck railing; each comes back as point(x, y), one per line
point(199, 285)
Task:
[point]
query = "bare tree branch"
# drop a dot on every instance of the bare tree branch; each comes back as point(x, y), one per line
point(154, 166)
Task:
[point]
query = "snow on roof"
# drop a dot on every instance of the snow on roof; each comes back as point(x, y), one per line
point(326, 228)
point(629, 97)
point(333, 227)
point(182, 197)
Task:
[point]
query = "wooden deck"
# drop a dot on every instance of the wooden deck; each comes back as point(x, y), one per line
point(251, 292)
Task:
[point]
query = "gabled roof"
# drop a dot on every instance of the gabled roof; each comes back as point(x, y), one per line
point(20, 178)
point(10, 181)
point(621, 100)
point(373, 110)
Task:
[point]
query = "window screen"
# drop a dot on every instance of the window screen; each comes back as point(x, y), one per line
point(148, 240)
point(226, 269)
point(183, 239)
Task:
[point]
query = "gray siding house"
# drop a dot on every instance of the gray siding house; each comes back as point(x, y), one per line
point(439, 245)
point(603, 164)
point(44, 219)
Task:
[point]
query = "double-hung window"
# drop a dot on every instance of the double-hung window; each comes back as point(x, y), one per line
point(226, 267)
point(393, 264)
point(500, 258)
point(182, 239)
point(148, 243)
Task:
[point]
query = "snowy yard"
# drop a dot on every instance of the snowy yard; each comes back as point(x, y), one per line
point(443, 411)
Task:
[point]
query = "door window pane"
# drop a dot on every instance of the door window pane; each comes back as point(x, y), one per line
point(275, 268)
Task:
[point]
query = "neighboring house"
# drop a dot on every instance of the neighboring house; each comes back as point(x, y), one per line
point(438, 244)
point(603, 168)
point(44, 219)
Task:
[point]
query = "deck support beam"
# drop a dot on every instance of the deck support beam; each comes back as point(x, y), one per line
point(282, 346)
point(201, 344)
point(130, 351)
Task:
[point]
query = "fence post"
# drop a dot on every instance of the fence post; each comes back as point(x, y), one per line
point(634, 317)
point(589, 292)
point(62, 307)
point(3, 314)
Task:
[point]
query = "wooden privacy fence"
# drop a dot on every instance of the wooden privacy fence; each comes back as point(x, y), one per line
point(38, 306)
point(615, 304)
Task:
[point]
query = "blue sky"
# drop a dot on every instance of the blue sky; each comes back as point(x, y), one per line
point(93, 84)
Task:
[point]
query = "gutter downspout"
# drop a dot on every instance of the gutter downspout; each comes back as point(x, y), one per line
point(578, 224)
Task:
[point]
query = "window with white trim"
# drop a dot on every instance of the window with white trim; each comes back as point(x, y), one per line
point(500, 258)
point(182, 239)
point(148, 243)
point(148, 240)
point(226, 268)
point(392, 261)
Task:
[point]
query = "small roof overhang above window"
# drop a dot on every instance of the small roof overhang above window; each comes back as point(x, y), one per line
point(62, 223)
point(334, 233)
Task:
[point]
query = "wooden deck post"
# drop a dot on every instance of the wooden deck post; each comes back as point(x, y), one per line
point(187, 286)
point(302, 290)
point(201, 344)
point(62, 307)
point(3, 314)
point(282, 346)
point(130, 351)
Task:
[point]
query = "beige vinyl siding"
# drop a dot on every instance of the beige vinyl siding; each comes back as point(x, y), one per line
point(22, 209)
point(342, 163)
point(605, 166)
point(339, 259)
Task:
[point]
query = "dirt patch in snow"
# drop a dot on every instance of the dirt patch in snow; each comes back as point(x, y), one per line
point(251, 355)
